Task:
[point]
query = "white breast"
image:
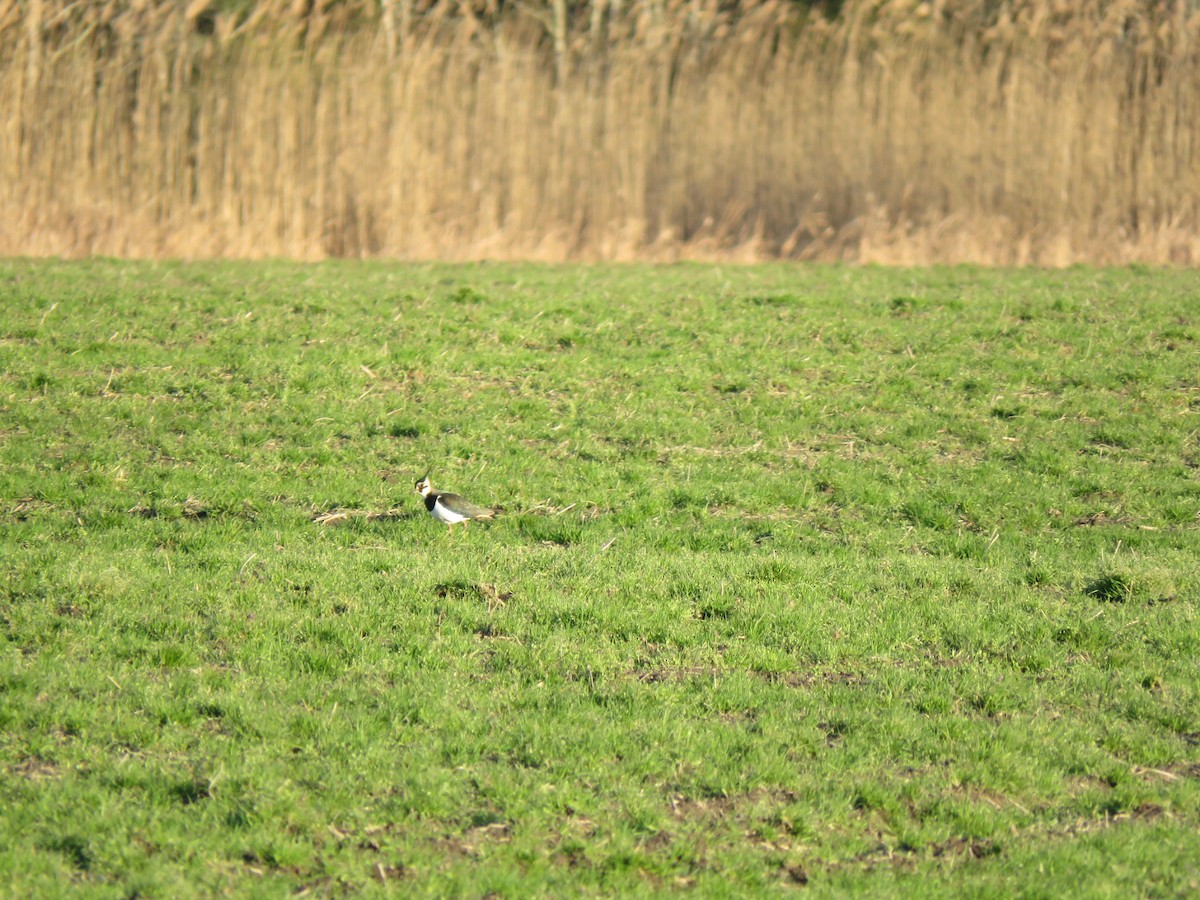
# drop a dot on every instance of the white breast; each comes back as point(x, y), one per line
point(445, 515)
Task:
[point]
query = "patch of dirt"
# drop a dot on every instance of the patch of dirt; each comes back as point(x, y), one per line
point(1144, 812)
point(660, 840)
point(683, 673)
point(789, 679)
point(489, 632)
point(808, 679)
point(194, 508)
point(393, 872)
point(725, 806)
point(902, 856)
point(34, 768)
point(958, 846)
point(688, 809)
point(489, 593)
point(26, 507)
point(493, 831)
point(834, 732)
point(581, 825)
point(478, 836)
point(795, 874)
point(1101, 518)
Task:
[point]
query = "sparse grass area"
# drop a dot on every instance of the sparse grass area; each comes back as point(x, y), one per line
point(855, 580)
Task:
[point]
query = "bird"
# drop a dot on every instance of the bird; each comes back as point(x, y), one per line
point(450, 509)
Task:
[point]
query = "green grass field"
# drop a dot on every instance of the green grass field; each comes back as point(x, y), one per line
point(818, 579)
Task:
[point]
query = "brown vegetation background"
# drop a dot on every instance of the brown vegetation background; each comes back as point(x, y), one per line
point(896, 131)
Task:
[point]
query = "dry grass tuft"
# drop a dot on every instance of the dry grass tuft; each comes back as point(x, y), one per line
point(341, 515)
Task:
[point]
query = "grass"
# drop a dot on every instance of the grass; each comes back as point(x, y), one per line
point(600, 131)
point(853, 580)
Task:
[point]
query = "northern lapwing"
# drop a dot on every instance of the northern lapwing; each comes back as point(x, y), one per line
point(450, 509)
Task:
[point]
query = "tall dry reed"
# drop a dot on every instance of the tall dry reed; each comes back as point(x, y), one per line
point(958, 130)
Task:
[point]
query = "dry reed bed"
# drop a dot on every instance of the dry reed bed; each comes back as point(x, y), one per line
point(1045, 133)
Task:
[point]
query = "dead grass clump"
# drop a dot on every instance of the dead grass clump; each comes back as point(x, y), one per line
point(341, 515)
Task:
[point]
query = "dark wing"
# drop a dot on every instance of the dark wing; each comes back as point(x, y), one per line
point(464, 507)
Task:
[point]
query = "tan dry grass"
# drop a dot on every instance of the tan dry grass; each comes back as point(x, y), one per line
point(1045, 133)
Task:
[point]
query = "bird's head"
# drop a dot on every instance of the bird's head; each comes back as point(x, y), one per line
point(423, 487)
